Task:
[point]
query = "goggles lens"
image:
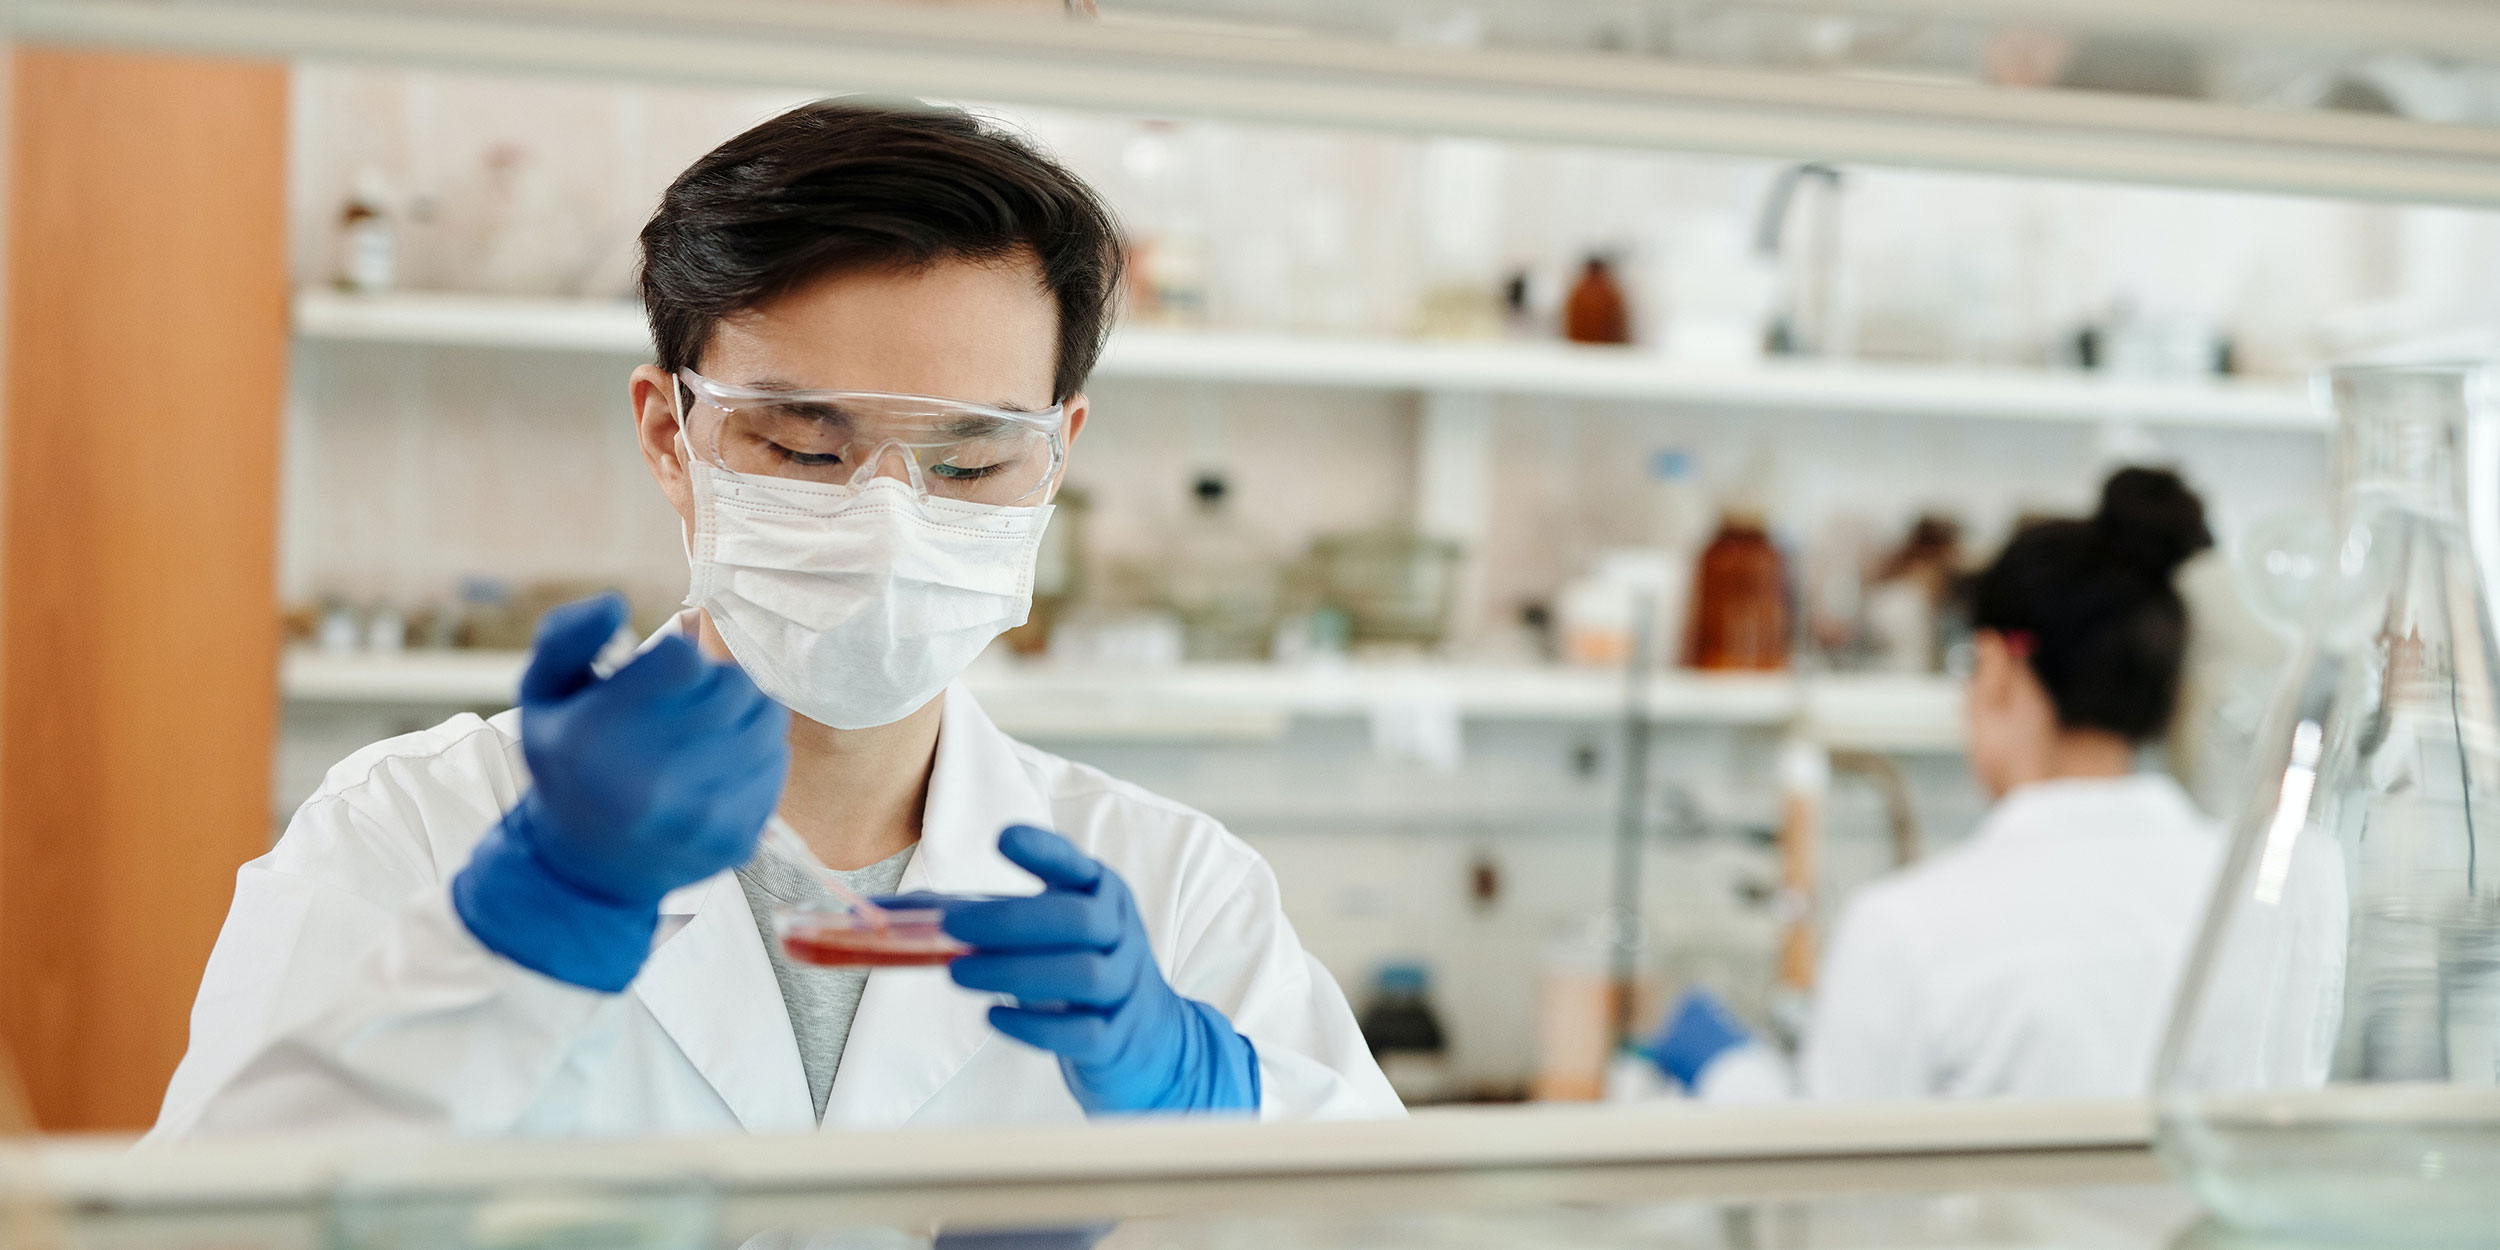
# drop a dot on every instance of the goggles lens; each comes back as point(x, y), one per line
point(946, 448)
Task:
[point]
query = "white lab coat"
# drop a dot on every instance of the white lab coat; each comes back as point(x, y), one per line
point(2038, 959)
point(345, 993)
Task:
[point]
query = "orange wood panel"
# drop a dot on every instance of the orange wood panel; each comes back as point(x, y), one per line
point(146, 362)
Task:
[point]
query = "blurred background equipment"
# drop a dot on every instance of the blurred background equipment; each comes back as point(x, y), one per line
point(1406, 1036)
point(1395, 588)
point(1224, 584)
point(1740, 598)
point(2331, 1063)
point(1595, 311)
point(1807, 320)
point(1059, 573)
point(1909, 595)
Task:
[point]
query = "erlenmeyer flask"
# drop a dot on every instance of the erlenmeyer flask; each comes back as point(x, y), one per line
point(2330, 1071)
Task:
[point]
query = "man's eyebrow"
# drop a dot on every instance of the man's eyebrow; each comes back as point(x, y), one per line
point(814, 410)
point(774, 384)
point(975, 427)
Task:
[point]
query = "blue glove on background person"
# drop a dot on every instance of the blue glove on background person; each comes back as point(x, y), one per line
point(1699, 1030)
point(1077, 961)
point(657, 777)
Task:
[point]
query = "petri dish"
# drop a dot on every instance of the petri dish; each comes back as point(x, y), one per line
point(827, 937)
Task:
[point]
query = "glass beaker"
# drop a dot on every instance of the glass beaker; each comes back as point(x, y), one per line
point(2330, 1070)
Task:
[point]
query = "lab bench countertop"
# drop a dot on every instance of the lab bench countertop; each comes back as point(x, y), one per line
point(1941, 1174)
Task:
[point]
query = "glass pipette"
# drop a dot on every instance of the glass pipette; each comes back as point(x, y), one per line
point(619, 651)
point(779, 836)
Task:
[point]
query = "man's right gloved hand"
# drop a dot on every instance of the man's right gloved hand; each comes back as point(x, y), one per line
point(651, 779)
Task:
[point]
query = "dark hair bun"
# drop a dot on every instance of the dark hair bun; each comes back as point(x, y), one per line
point(2150, 520)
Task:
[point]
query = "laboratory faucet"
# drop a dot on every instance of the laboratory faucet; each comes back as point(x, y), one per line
point(1805, 322)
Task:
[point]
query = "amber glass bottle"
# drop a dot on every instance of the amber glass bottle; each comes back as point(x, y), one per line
point(1740, 600)
point(1594, 312)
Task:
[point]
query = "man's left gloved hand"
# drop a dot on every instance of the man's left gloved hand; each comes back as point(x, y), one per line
point(1076, 960)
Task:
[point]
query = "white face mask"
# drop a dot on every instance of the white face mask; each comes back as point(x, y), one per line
point(854, 606)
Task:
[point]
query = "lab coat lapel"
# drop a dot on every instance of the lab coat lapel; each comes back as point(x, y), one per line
point(712, 987)
point(916, 1028)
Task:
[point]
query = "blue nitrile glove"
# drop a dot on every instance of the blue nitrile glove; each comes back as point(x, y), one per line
point(1076, 960)
point(1699, 1030)
point(654, 778)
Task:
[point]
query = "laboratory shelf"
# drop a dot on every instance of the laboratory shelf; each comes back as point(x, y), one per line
point(449, 319)
point(1559, 370)
point(1304, 64)
point(464, 678)
point(1633, 375)
point(1257, 702)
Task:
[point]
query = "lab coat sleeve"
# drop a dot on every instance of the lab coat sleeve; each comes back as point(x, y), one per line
point(344, 993)
point(1244, 959)
point(1865, 1036)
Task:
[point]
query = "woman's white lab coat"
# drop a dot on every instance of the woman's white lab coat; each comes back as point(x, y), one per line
point(2037, 959)
point(345, 993)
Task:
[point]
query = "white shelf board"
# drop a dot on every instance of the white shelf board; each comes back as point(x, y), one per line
point(1896, 713)
point(451, 319)
point(1639, 376)
point(449, 678)
point(1627, 375)
point(1256, 702)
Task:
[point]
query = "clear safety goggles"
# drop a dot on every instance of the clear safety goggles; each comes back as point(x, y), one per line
point(947, 448)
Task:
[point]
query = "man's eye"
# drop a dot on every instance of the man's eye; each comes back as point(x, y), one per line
point(806, 459)
point(964, 472)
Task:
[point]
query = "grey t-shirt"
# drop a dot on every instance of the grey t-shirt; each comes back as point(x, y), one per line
point(821, 1001)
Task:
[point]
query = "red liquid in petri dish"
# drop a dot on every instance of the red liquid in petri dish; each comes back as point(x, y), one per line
point(859, 950)
point(912, 941)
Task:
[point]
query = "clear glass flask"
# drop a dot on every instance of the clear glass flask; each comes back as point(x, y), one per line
point(2332, 1071)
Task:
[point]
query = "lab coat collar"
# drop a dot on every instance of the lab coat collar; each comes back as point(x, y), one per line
point(2092, 805)
point(711, 985)
point(710, 982)
point(977, 788)
point(916, 1028)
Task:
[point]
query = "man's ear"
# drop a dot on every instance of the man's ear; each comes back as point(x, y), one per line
point(654, 396)
point(1072, 423)
point(1075, 409)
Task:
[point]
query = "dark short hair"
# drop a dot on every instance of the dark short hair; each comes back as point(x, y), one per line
point(854, 184)
point(2107, 628)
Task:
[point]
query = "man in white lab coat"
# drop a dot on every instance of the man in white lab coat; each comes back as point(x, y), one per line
point(873, 329)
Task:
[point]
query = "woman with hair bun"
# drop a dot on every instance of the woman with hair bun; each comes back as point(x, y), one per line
point(2038, 958)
